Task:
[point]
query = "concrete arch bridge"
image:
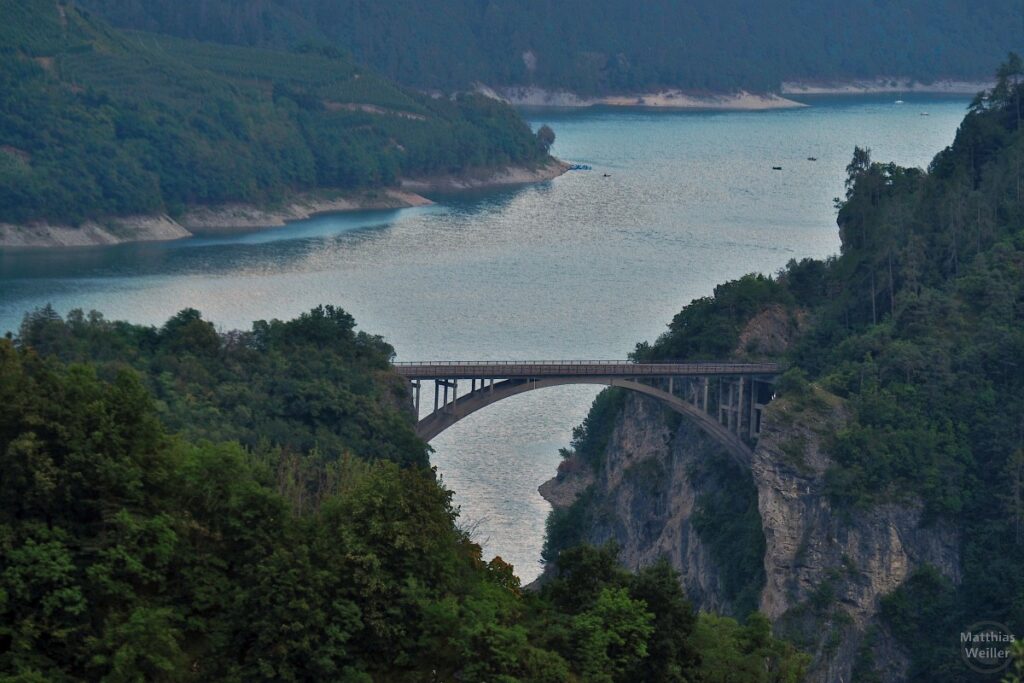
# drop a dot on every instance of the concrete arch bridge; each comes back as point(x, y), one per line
point(724, 399)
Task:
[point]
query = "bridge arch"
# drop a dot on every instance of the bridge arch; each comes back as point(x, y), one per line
point(463, 406)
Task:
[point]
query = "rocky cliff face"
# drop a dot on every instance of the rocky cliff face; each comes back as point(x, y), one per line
point(824, 571)
point(645, 493)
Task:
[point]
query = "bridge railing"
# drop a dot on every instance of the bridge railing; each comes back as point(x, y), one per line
point(470, 363)
point(453, 369)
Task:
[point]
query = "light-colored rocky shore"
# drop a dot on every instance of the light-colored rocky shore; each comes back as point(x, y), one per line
point(245, 217)
point(738, 101)
point(665, 99)
point(92, 233)
point(510, 176)
point(884, 85)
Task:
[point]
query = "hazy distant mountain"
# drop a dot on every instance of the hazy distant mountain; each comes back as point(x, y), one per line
point(595, 46)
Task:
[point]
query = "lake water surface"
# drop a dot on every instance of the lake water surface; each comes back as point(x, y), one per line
point(581, 267)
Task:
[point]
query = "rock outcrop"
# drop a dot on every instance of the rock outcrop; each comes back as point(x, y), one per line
point(825, 571)
point(645, 494)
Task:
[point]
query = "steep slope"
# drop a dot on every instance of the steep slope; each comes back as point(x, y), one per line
point(96, 122)
point(887, 487)
point(614, 46)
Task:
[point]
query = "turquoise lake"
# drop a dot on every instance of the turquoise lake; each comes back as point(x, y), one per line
point(581, 267)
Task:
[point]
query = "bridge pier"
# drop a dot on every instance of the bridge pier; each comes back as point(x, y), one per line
point(441, 400)
point(735, 404)
point(752, 427)
point(741, 405)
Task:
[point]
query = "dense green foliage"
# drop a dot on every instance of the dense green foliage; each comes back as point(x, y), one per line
point(590, 439)
point(181, 504)
point(566, 527)
point(597, 46)
point(309, 384)
point(1016, 674)
point(97, 122)
point(709, 327)
point(131, 555)
point(590, 589)
point(918, 327)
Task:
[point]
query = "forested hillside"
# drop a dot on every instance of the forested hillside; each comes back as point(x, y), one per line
point(97, 122)
point(618, 46)
point(182, 505)
point(917, 329)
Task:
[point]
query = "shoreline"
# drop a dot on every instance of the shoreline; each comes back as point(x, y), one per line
point(241, 217)
point(679, 100)
point(881, 86)
point(510, 176)
point(669, 99)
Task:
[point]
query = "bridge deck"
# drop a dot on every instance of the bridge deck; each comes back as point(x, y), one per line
point(576, 368)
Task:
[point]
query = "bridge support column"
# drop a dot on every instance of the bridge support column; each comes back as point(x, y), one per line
point(730, 410)
point(733, 403)
point(739, 409)
point(454, 384)
point(441, 397)
point(753, 409)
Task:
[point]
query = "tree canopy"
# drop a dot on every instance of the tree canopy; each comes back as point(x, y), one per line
point(97, 122)
point(182, 504)
point(614, 46)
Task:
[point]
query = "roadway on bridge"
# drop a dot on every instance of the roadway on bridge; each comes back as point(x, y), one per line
point(576, 368)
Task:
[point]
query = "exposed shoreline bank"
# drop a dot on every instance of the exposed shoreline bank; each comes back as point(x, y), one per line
point(672, 99)
point(881, 86)
point(227, 218)
point(663, 99)
point(241, 217)
point(506, 177)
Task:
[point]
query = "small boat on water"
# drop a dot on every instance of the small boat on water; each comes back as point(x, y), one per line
point(776, 168)
point(898, 102)
point(924, 113)
point(812, 158)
